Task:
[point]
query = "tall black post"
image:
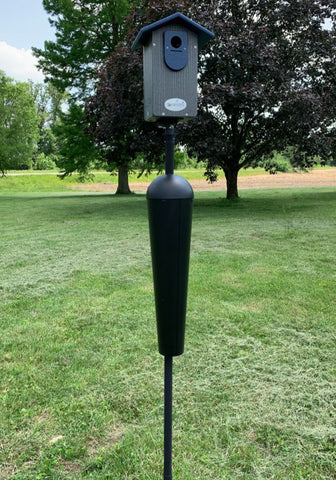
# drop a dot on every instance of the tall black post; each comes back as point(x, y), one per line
point(170, 56)
point(168, 418)
point(168, 366)
point(169, 200)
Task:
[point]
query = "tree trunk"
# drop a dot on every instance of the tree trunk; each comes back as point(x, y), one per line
point(231, 176)
point(123, 185)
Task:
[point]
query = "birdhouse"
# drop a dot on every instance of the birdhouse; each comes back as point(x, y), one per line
point(170, 66)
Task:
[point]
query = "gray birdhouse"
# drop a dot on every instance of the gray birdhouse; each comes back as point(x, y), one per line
point(170, 57)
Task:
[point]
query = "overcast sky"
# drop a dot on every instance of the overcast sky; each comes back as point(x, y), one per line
point(23, 24)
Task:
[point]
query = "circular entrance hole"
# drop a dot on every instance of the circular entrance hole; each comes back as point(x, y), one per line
point(176, 42)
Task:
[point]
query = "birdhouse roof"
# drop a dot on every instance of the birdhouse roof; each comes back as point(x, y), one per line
point(203, 34)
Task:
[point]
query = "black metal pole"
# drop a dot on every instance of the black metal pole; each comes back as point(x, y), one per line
point(168, 369)
point(168, 418)
point(170, 147)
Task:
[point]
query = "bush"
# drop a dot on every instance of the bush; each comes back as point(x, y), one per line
point(44, 162)
point(21, 164)
point(183, 161)
point(276, 163)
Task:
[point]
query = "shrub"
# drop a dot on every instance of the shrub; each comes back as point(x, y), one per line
point(44, 162)
point(21, 164)
point(276, 163)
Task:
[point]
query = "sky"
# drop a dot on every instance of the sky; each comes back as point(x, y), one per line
point(23, 24)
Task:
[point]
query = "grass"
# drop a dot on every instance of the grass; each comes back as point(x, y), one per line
point(49, 182)
point(81, 379)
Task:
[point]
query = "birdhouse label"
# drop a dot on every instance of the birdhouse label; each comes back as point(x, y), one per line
point(175, 104)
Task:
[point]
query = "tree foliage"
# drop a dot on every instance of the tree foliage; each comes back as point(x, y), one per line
point(18, 124)
point(86, 33)
point(115, 112)
point(115, 116)
point(267, 83)
point(48, 102)
point(77, 151)
point(267, 80)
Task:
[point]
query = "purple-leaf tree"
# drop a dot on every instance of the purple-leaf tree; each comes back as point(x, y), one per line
point(267, 84)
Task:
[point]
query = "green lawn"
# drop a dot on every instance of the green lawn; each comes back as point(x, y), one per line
point(81, 378)
point(50, 182)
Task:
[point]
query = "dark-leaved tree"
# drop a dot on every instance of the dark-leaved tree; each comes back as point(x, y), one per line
point(115, 117)
point(267, 82)
point(115, 112)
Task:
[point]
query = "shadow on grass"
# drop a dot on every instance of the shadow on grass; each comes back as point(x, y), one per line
point(264, 202)
point(206, 204)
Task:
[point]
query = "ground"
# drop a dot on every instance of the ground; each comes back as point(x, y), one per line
point(81, 378)
point(314, 178)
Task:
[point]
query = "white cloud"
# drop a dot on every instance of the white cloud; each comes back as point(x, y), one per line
point(19, 63)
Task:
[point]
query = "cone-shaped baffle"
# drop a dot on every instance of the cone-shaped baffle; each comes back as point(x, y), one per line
point(169, 199)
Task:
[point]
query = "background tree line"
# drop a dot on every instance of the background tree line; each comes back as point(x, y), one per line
point(29, 114)
point(42, 128)
point(267, 85)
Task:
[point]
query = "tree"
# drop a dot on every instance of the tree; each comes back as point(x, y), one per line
point(76, 149)
point(267, 82)
point(18, 124)
point(115, 111)
point(86, 33)
point(49, 102)
point(115, 116)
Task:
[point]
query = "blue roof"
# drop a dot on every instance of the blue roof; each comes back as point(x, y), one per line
point(204, 35)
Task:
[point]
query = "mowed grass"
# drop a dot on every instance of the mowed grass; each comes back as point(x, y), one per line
point(51, 182)
point(81, 378)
